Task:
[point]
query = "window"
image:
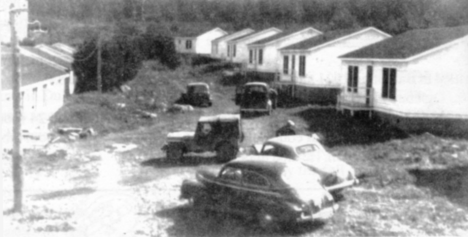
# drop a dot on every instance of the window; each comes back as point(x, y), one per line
point(250, 56)
point(285, 65)
point(188, 44)
point(293, 64)
point(229, 50)
point(231, 174)
point(302, 64)
point(389, 83)
point(234, 50)
point(272, 150)
point(44, 95)
point(253, 179)
point(260, 56)
point(34, 105)
point(353, 72)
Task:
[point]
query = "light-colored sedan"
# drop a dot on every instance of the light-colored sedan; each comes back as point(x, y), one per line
point(335, 173)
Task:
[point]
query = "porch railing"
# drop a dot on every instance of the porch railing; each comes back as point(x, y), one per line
point(356, 98)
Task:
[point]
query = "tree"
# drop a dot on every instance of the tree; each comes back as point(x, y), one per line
point(121, 61)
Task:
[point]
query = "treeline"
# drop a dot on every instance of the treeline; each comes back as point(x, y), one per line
point(394, 16)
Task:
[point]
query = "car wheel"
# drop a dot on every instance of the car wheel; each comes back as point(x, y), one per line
point(227, 152)
point(266, 221)
point(174, 153)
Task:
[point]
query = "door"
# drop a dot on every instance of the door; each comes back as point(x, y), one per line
point(370, 72)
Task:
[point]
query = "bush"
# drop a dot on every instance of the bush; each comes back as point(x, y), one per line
point(198, 60)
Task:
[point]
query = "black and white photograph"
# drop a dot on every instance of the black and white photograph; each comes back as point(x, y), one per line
point(207, 118)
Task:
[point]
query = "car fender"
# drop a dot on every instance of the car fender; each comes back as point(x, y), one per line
point(191, 188)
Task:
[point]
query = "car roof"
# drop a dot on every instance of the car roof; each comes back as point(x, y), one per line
point(220, 117)
point(272, 165)
point(256, 83)
point(198, 84)
point(293, 140)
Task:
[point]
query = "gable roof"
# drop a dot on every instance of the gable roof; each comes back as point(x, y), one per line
point(322, 39)
point(281, 35)
point(409, 44)
point(195, 32)
point(32, 70)
point(49, 56)
point(254, 33)
point(235, 34)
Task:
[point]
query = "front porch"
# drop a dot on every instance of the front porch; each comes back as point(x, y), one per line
point(355, 99)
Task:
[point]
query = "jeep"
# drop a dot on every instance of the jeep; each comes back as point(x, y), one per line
point(221, 133)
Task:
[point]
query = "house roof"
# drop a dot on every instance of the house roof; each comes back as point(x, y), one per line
point(247, 30)
point(193, 32)
point(409, 44)
point(48, 57)
point(253, 33)
point(32, 70)
point(321, 39)
point(280, 35)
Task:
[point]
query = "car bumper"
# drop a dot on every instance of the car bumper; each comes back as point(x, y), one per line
point(324, 214)
point(255, 110)
point(342, 185)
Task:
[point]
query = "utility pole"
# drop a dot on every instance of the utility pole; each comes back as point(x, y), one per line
point(99, 64)
point(17, 150)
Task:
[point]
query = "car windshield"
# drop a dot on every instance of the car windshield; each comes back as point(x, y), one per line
point(198, 89)
point(251, 89)
point(304, 149)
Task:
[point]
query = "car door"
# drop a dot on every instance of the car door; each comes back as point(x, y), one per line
point(227, 193)
point(258, 192)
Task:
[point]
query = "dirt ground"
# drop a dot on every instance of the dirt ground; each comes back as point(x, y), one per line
point(122, 185)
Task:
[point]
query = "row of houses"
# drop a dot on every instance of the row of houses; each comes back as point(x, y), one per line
point(417, 80)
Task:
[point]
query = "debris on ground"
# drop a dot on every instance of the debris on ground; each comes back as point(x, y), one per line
point(72, 134)
point(179, 108)
point(122, 147)
point(146, 114)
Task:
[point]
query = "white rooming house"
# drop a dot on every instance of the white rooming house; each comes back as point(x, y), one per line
point(417, 80)
point(313, 66)
point(219, 45)
point(264, 55)
point(237, 47)
point(197, 42)
point(21, 20)
point(46, 81)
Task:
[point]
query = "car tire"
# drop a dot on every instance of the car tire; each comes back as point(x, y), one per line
point(227, 152)
point(174, 153)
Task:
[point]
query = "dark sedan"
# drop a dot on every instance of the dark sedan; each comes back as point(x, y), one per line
point(269, 189)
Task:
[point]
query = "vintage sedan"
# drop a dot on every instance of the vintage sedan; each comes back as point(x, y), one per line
point(335, 173)
point(197, 94)
point(270, 190)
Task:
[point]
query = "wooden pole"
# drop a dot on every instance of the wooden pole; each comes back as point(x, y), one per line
point(99, 65)
point(17, 150)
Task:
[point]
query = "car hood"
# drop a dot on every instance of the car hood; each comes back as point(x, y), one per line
point(178, 136)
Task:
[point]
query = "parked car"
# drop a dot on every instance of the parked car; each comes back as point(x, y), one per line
point(256, 97)
point(335, 173)
point(221, 133)
point(197, 94)
point(270, 190)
